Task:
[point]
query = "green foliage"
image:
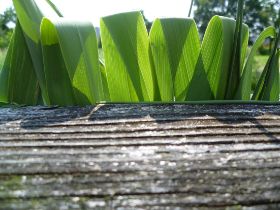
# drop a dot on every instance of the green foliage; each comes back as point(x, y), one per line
point(71, 62)
point(257, 13)
point(60, 59)
point(5, 38)
point(9, 17)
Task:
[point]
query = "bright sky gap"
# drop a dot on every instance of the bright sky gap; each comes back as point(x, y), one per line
point(92, 10)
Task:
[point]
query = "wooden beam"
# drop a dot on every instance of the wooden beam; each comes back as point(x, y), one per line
point(140, 157)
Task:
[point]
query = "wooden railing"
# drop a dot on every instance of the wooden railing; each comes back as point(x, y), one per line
point(140, 157)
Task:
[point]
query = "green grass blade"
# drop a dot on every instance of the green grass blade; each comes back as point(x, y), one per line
point(30, 14)
point(216, 52)
point(191, 7)
point(54, 8)
point(126, 51)
point(18, 82)
point(74, 47)
point(268, 86)
point(244, 90)
point(175, 48)
point(58, 83)
point(235, 65)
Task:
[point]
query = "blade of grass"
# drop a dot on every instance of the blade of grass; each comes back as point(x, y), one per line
point(58, 83)
point(236, 65)
point(216, 52)
point(54, 8)
point(73, 45)
point(30, 14)
point(268, 85)
point(18, 82)
point(190, 11)
point(126, 51)
point(244, 89)
point(175, 48)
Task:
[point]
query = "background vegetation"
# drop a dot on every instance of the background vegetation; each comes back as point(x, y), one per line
point(7, 20)
point(258, 14)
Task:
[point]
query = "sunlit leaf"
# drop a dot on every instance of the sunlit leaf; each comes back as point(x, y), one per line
point(126, 51)
point(175, 48)
point(71, 62)
point(18, 82)
point(217, 49)
point(30, 14)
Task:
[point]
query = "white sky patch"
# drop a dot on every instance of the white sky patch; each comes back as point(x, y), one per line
point(4, 4)
point(92, 9)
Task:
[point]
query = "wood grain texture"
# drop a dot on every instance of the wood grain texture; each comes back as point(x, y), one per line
point(140, 157)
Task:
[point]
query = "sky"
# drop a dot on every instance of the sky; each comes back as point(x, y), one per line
point(92, 9)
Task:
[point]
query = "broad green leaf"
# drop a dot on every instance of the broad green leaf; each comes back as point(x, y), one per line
point(30, 14)
point(244, 90)
point(18, 82)
point(58, 83)
point(216, 52)
point(175, 48)
point(126, 51)
point(268, 86)
point(71, 62)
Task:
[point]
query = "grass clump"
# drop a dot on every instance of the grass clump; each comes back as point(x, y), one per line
point(63, 66)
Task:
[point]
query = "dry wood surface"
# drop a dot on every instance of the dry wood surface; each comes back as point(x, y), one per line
point(140, 157)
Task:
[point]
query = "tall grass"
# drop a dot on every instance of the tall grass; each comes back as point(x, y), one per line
point(59, 59)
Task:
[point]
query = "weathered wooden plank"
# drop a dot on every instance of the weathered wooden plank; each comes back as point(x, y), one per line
point(118, 203)
point(192, 183)
point(140, 157)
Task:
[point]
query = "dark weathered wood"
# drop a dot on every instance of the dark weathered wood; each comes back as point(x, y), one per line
point(140, 157)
